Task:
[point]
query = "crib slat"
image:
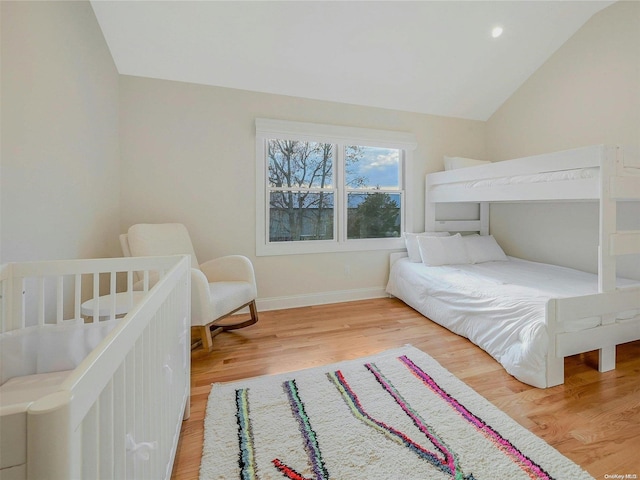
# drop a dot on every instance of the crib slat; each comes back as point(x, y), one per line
point(112, 293)
point(17, 310)
point(130, 423)
point(77, 300)
point(139, 405)
point(105, 433)
point(59, 299)
point(154, 431)
point(130, 287)
point(172, 380)
point(145, 371)
point(96, 295)
point(158, 361)
point(168, 375)
point(119, 424)
point(40, 294)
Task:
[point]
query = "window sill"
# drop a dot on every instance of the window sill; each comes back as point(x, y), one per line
point(328, 246)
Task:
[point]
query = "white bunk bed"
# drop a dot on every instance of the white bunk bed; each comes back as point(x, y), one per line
point(606, 174)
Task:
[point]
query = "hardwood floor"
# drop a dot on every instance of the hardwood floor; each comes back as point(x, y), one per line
point(594, 418)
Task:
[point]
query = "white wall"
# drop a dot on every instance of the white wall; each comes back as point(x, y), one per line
point(188, 154)
point(587, 93)
point(60, 157)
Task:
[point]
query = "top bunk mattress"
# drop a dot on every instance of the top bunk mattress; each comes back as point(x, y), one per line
point(559, 176)
point(532, 178)
point(499, 306)
point(570, 174)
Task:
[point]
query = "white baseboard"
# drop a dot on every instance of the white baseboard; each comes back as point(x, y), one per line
point(321, 298)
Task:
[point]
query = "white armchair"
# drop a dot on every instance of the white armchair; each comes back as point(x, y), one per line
point(219, 287)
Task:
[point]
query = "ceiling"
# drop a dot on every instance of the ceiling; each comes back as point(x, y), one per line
point(434, 57)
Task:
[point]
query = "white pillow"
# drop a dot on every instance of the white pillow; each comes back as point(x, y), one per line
point(451, 163)
point(436, 251)
point(411, 241)
point(483, 248)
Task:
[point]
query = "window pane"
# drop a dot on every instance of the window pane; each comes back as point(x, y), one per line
point(373, 215)
point(300, 164)
point(372, 167)
point(295, 216)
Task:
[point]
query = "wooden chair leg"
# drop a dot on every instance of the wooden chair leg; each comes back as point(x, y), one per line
point(254, 311)
point(207, 341)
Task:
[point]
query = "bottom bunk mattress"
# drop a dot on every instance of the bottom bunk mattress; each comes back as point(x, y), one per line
point(499, 306)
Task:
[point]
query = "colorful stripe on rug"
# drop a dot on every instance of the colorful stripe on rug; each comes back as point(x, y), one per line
point(309, 436)
point(533, 470)
point(245, 436)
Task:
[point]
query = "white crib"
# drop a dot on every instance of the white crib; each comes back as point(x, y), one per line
point(95, 396)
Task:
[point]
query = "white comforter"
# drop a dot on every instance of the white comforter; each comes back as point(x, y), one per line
point(499, 306)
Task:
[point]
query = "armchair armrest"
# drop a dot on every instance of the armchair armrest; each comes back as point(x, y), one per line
point(230, 268)
point(201, 309)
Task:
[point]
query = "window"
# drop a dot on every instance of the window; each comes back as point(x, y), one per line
point(323, 188)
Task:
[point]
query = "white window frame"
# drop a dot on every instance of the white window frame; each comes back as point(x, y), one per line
point(340, 136)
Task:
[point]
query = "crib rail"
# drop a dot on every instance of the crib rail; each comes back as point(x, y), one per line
point(118, 414)
point(41, 293)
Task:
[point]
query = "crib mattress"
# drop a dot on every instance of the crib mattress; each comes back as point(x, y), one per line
point(499, 306)
point(16, 394)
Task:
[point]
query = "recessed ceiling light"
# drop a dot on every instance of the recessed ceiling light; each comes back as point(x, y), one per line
point(496, 32)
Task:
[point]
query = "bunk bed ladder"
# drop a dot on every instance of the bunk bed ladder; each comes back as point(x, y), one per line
point(614, 186)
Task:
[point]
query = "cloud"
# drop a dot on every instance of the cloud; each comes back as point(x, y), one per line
point(382, 160)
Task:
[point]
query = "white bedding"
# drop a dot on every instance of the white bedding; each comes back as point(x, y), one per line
point(499, 306)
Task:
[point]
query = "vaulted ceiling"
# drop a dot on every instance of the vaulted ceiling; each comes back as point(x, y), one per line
point(435, 57)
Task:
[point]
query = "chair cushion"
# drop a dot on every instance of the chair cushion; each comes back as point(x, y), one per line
point(147, 239)
point(227, 296)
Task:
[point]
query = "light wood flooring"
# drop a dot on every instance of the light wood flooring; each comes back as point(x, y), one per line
point(594, 418)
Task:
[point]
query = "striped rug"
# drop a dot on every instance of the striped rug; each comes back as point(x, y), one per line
point(395, 415)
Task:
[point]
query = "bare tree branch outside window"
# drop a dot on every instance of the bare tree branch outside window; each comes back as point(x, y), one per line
point(302, 208)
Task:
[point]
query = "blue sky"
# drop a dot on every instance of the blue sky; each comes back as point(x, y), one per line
point(379, 166)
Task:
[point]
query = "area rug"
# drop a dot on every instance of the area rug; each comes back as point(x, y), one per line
point(395, 415)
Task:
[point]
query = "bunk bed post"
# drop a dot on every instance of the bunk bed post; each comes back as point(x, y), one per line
point(608, 224)
point(555, 363)
point(484, 218)
point(429, 210)
point(607, 261)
